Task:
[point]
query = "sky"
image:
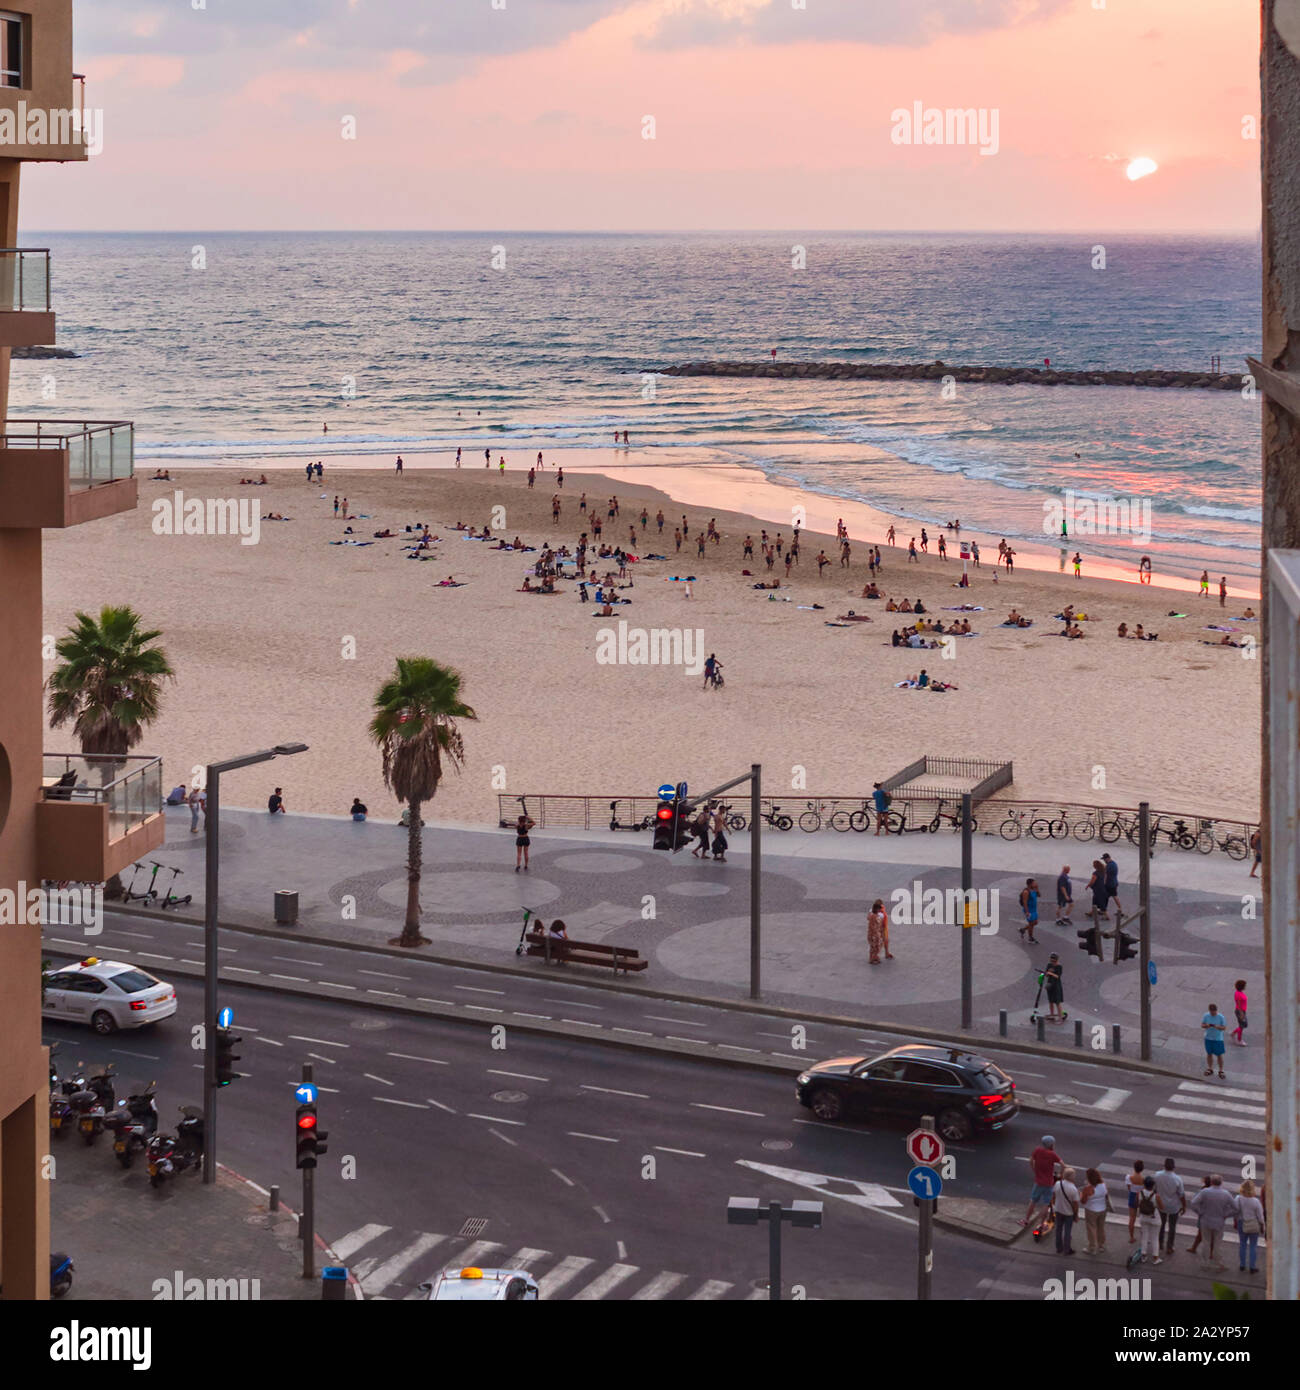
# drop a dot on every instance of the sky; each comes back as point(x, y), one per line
point(609, 115)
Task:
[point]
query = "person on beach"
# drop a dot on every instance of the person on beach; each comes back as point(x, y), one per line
point(677, 537)
point(699, 542)
point(1044, 1163)
point(943, 548)
point(789, 560)
point(399, 463)
point(310, 471)
point(1011, 559)
point(540, 464)
point(822, 562)
point(1213, 1025)
point(925, 541)
point(844, 555)
point(1144, 570)
point(1223, 590)
point(532, 476)
point(458, 458)
point(912, 556)
point(336, 505)
point(1134, 1184)
point(346, 516)
point(501, 464)
point(1064, 897)
point(975, 554)
point(1257, 849)
point(275, 802)
point(523, 824)
point(320, 472)
point(659, 521)
point(1055, 989)
point(1205, 583)
point(1029, 906)
point(559, 477)
point(358, 809)
point(878, 933)
point(1077, 562)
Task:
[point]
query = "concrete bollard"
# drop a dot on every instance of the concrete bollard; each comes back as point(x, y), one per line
point(1002, 1023)
point(1078, 1032)
point(1042, 1031)
point(275, 1198)
point(1114, 1037)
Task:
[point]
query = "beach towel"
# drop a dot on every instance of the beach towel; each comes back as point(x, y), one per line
point(351, 542)
point(966, 608)
point(442, 584)
point(1216, 627)
point(1172, 614)
point(1204, 643)
point(1030, 624)
point(1244, 620)
point(812, 607)
point(829, 624)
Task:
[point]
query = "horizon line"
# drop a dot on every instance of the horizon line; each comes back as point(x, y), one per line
point(1257, 232)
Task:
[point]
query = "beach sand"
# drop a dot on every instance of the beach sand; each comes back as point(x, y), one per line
point(289, 638)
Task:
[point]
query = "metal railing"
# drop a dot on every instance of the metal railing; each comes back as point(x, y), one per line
point(99, 451)
point(1007, 818)
point(979, 776)
point(24, 278)
point(130, 784)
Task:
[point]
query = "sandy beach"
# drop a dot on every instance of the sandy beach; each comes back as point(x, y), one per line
point(290, 637)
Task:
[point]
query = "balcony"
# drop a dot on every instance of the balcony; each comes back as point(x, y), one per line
point(97, 814)
point(45, 118)
point(59, 473)
point(25, 316)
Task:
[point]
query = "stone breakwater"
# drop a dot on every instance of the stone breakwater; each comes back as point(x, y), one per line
point(937, 371)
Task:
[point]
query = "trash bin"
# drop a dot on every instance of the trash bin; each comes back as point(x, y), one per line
point(286, 906)
point(334, 1282)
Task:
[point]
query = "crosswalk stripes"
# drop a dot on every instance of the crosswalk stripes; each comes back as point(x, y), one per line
point(393, 1263)
point(1206, 1103)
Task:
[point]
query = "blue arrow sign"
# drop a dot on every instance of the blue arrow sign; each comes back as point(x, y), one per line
point(225, 1018)
point(1151, 971)
point(306, 1093)
point(925, 1182)
point(667, 791)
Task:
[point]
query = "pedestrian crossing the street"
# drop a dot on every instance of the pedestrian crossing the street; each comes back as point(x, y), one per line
point(392, 1264)
point(1234, 1107)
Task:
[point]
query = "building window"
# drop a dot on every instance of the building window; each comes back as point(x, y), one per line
point(11, 50)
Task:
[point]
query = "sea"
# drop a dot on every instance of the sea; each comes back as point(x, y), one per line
point(232, 348)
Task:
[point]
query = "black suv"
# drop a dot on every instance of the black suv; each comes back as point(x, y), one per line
point(964, 1092)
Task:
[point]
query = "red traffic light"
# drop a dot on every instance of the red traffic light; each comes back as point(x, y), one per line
point(306, 1121)
point(664, 813)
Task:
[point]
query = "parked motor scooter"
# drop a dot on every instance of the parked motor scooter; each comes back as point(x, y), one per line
point(93, 1102)
point(132, 1123)
point(61, 1268)
point(169, 1155)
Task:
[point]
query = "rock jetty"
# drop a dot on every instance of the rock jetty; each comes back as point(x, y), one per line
point(936, 371)
point(41, 353)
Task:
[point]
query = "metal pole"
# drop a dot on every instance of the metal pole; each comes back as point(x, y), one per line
point(755, 881)
point(967, 961)
point(308, 1207)
point(1144, 924)
point(925, 1236)
point(774, 1250)
point(212, 848)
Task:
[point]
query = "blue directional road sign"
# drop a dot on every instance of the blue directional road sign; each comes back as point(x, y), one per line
point(225, 1018)
point(1151, 971)
point(925, 1182)
point(306, 1093)
point(667, 791)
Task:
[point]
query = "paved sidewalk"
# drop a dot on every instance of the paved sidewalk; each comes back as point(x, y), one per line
point(183, 1240)
point(691, 918)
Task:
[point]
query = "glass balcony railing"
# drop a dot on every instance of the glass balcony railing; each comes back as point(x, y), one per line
point(99, 451)
point(24, 279)
point(131, 785)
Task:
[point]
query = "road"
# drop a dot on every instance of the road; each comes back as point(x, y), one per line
point(604, 1171)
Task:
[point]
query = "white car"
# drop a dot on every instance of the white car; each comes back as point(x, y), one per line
point(490, 1285)
point(107, 994)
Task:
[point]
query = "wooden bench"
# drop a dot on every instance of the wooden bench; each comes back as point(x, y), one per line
point(556, 951)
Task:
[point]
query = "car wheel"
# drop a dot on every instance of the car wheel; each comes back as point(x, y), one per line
point(954, 1126)
point(828, 1106)
point(103, 1022)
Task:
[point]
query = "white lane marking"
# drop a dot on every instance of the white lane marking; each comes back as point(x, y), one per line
point(568, 1182)
point(578, 1134)
point(659, 1287)
point(384, 975)
point(1112, 1099)
point(869, 1194)
point(1216, 1119)
point(1223, 1151)
point(698, 1042)
point(636, 1032)
point(387, 993)
point(519, 1075)
point(681, 1022)
point(388, 1273)
point(1240, 1106)
point(370, 1076)
point(606, 1282)
point(391, 1100)
point(735, 1047)
point(609, 1091)
point(185, 960)
point(354, 1240)
point(578, 1022)
point(298, 960)
point(153, 955)
point(1222, 1090)
point(602, 1213)
point(272, 1041)
point(297, 979)
point(1042, 1076)
point(786, 1036)
point(622, 1251)
point(485, 1008)
point(320, 1057)
point(563, 1274)
point(324, 1042)
point(139, 935)
point(478, 989)
point(520, 1014)
point(334, 984)
point(685, 1153)
point(571, 1003)
point(513, 1143)
point(441, 1106)
point(243, 969)
point(711, 1288)
point(727, 1109)
point(450, 1003)
point(494, 1119)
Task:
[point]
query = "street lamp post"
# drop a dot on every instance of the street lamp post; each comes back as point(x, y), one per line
point(749, 1211)
point(212, 848)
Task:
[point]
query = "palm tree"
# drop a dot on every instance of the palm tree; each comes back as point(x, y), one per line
point(108, 687)
point(415, 727)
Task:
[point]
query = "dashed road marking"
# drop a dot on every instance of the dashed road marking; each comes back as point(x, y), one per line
point(609, 1091)
point(408, 1057)
point(383, 1080)
point(518, 1075)
point(602, 1138)
point(727, 1109)
point(324, 1042)
point(494, 1119)
point(685, 1153)
point(392, 1100)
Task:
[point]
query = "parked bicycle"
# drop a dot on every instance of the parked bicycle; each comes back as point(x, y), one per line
point(853, 820)
point(1050, 827)
point(952, 818)
point(776, 818)
point(1233, 845)
point(1014, 826)
point(896, 822)
point(811, 820)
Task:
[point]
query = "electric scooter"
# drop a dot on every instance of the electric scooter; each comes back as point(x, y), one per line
point(170, 897)
point(149, 892)
point(1035, 1013)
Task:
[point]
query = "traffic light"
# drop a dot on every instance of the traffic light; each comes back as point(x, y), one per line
point(227, 1057)
point(1090, 941)
point(309, 1140)
point(1124, 946)
point(665, 820)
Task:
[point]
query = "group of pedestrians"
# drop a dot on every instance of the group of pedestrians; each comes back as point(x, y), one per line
point(710, 829)
point(1156, 1201)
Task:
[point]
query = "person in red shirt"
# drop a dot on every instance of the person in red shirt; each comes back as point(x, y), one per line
point(1045, 1162)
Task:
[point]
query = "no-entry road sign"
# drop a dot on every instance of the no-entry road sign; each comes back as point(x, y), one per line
point(924, 1146)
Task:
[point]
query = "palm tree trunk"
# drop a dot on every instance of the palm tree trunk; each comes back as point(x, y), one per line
point(414, 859)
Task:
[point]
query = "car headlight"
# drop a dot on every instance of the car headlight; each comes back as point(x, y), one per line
point(804, 1078)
